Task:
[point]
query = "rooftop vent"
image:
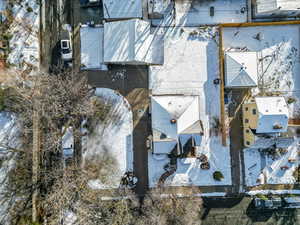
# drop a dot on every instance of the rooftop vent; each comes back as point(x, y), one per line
point(173, 121)
point(277, 126)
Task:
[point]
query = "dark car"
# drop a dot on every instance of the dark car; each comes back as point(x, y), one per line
point(270, 203)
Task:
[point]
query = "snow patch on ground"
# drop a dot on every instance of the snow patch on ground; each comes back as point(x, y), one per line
point(274, 192)
point(24, 29)
point(112, 137)
point(179, 195)
point(190, 67)
point(268, 169)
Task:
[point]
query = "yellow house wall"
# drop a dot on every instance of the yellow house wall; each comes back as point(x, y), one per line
point(249, 121)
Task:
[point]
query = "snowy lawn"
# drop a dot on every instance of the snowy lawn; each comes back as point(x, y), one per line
point(191, 64)
point(278, 53)
point(24, 30)
point(109, 145)
point(266, 169)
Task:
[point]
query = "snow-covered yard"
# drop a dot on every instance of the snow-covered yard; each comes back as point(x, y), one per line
point(278, 56)
point(262, 168)
point(24, 29)
point(190, 67)
point(111, 141)
point(188, 171)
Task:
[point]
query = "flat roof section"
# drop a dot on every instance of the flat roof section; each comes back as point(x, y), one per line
point(91, 42)
point(195, 13)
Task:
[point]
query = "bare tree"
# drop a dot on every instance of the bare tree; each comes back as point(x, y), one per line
point(172, 208)
point(63, 101)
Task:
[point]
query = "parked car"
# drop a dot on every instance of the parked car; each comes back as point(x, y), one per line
point(292, 202)
point(65, 44)
point(271, 203)
point(89, 3)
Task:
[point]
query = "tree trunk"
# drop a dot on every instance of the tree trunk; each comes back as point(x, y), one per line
point(35, 165)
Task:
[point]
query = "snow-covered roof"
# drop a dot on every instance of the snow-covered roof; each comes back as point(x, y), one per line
point(264, 143)
point(157, 8)
point(174, 115)
point(240, 69)
point(264, 6)
point(163, 147)
point(3, 4)
point(272, 114)
point(91, 47)
point(131, 42)
point(122, 9)
point(202, 12)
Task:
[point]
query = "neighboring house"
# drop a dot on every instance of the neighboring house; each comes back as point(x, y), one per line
point(91, 40)
point(3, 4)
point(131, 42)
point(241, 69)
point(175, 123)
point(276, 8)
point(264, 116)
point(122, 9)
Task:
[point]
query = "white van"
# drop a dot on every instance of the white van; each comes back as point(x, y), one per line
point(66, 44)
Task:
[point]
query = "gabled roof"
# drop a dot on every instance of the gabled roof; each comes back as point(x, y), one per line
point(273, 114)
point(240, 69)
point(184, 110)
point(131, 42)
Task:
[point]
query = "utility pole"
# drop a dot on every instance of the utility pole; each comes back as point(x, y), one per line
point(35, 162)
